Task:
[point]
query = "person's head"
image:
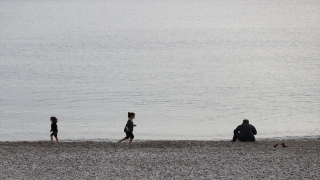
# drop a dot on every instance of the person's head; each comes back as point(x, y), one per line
point(245, 121)
point(131, 115)
point(53, 119)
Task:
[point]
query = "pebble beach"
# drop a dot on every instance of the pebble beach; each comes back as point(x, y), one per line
point(161, 160)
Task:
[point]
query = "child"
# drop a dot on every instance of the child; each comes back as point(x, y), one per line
point(129, 128)
point(54, 128)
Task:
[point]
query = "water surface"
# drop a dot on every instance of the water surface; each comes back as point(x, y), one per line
point(189, 69)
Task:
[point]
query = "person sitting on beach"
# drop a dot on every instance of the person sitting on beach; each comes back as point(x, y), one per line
point(245, 132)
point(54, 128)
point(129, 128)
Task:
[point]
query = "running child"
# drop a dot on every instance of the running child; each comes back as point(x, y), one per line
point(129, 128)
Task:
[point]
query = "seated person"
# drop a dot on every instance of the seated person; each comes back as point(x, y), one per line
point(245, 132)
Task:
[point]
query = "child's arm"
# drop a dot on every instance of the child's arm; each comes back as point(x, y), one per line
point(127, 128)
point(134, 125)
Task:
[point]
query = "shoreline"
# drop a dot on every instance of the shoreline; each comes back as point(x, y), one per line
point(266, 143)
point(148, 140)
point(161, 160)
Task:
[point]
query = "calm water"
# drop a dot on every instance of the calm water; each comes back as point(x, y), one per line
point(189, 69)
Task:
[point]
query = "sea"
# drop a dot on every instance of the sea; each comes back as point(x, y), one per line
point(189, 69)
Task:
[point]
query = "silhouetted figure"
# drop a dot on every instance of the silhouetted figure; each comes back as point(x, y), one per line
point(54, 128)
point(245, 132)
point(128, 129)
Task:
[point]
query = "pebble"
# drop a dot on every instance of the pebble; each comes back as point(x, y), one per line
point(160, 160)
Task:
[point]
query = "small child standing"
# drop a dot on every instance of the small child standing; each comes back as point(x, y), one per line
point(54, 128)
point(129, 128)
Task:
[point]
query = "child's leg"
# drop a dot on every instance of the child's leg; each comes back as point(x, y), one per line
point(51, 138)
point(57, 138)
point(121, 140)
point(127, 137)
point(131, 137)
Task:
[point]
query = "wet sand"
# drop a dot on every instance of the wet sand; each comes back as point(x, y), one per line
point(161, 160)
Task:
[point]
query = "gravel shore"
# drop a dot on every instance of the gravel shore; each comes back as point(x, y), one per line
point(161, 160)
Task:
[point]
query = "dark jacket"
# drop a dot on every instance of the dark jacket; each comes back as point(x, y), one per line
point(54, 127)
point(245, 132)
point(129, 125)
